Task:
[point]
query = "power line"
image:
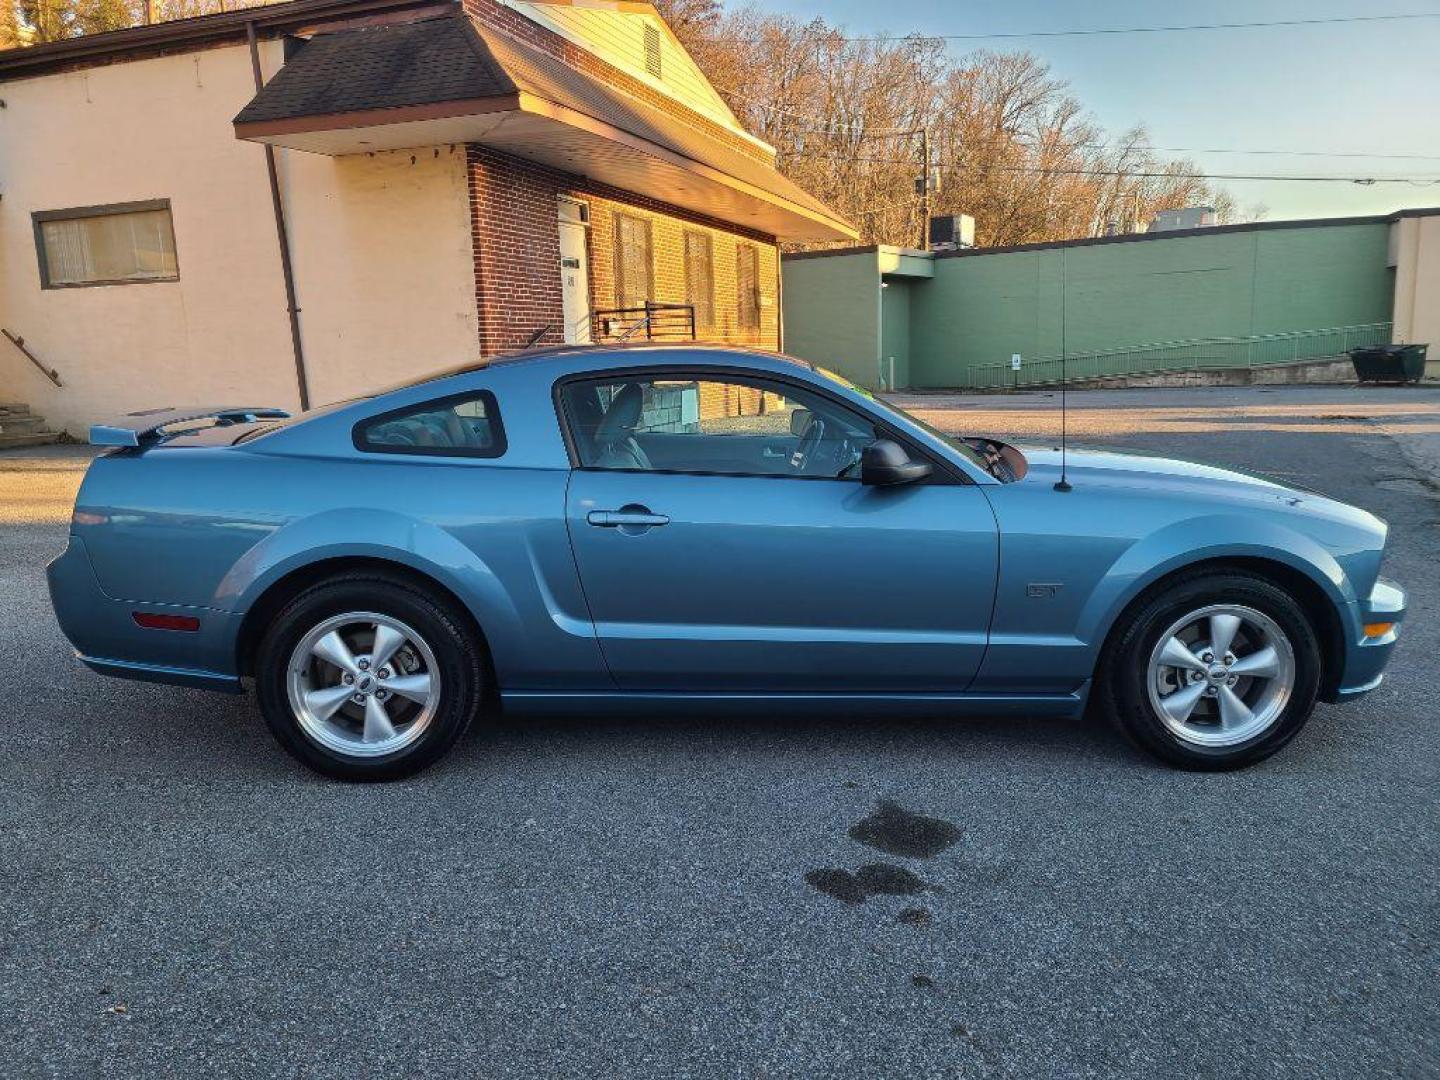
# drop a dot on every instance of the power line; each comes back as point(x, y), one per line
point(811, 123)
point(816, 125)
point(1164, 29)
point(908, 203)
point(1137, 175)
point(1268, 153)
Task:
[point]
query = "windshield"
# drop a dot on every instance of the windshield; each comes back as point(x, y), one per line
point(970, 454)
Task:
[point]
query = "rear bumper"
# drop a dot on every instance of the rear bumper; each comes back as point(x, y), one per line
point(107, 640)
point(1365, 658)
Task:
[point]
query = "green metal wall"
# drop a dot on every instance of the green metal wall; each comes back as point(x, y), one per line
point(982, 308)
point(895, 332)
point(832, 313)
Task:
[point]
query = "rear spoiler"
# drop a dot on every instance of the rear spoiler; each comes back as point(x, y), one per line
point(134, 429)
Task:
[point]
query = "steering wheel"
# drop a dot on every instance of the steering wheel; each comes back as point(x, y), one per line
point(814, 434)
point(849, 452)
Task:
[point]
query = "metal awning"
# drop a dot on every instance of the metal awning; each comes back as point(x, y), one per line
point(450, 80)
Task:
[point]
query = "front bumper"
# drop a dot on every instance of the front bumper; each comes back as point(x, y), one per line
point(107, 640)
point(1364, 659)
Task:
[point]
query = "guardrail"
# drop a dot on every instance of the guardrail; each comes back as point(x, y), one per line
point(1195, 354)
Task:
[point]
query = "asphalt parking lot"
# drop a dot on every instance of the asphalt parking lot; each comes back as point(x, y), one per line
point(637, 898)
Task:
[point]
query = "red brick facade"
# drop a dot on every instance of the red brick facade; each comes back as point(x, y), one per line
point(514, 221)
point(515, 231)
point(514, 226)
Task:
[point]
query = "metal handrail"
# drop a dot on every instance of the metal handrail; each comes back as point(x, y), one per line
point(654, 318)
point(1190, 354)
point(19, 343)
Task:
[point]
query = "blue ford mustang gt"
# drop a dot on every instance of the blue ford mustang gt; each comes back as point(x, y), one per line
point(625, 528)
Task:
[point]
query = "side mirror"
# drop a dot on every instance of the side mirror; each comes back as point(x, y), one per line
point(799, 421)
point(884, 464)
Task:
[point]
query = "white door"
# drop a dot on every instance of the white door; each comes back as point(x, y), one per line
point(574, 280)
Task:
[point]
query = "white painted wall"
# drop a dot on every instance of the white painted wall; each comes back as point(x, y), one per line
point(384, 266)
point(1415, 255)
point(384, 271)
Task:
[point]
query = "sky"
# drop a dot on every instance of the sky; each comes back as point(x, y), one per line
point(1371, 88)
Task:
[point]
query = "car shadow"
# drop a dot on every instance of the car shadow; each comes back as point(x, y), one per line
point(855, 735)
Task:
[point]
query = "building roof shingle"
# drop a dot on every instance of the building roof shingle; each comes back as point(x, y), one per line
point(380, 67)
point(345, 74)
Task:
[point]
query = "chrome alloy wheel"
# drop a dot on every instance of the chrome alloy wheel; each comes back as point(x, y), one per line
point(1221, 675)
point(363, 684)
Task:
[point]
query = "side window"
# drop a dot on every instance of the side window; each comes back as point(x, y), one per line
point(464, 425)
point(106, 245)
point(735, 425)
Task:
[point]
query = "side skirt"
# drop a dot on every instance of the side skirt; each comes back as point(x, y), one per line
point(619, 702)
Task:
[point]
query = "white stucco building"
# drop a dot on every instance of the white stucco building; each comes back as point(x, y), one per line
point(452, 179)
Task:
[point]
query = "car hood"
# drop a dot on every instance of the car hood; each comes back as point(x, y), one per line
point(1113, 469)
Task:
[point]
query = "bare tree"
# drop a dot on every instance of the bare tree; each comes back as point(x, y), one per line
point(32, 22)
point(1011, 145)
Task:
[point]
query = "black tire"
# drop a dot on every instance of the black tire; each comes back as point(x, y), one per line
point(457, 654)
point(1125, 672)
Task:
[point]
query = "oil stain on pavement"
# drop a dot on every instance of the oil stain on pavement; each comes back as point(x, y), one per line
point(914, 916)
point(876, 879)
point(895, 831)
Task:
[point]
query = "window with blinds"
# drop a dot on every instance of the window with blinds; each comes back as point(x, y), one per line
point(747, 286)
point(700, 278)
point(106, 245)
point(633, 261)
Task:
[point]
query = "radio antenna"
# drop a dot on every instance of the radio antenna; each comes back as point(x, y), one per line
point(1062, 484)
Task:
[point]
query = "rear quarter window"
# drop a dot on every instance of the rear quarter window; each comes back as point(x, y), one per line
point(461, 425)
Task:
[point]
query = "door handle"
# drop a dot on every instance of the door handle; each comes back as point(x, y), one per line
point(626, 517)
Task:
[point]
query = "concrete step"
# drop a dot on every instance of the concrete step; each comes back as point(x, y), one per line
point(21, 423)
point(34, 438)
point(21, 427)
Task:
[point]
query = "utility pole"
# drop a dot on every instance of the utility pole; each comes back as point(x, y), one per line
point(925, 189)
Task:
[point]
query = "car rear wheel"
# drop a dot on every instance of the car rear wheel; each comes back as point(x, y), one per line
point(366, 678)
point(1215, 671)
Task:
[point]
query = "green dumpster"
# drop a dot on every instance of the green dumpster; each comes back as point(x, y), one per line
point(1389, 363)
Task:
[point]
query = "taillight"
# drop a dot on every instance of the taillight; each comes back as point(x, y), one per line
point(153, 620)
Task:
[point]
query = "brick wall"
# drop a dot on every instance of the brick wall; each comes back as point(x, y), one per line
point(514, 228)
point(515, 231)
point(667, 233)
point(513, 208)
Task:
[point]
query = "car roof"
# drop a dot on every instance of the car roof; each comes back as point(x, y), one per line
point(643, 351)
point(640, 354)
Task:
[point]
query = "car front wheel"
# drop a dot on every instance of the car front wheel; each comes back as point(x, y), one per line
point(367, 678)
point(1216, 671)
